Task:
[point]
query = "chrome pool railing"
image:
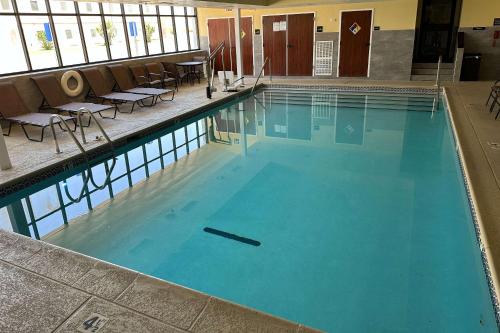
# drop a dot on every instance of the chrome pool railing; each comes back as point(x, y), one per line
point(260, 73)
point(435, 103)
point(87, 174)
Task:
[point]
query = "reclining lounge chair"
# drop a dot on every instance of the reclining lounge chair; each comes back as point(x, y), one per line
point(13, 110)
point(55, 98)
point(100, 90)
point(125, 84)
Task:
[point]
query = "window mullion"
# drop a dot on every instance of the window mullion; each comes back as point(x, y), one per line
point(146, 48)
point(187, 28)
point(105, 31)
point(82, 37)
point(175, 30)
point(54, 35)
point(21, 35)
point(160, 30)
point(125, 27)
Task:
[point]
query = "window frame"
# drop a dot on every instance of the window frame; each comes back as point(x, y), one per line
point(17, 15)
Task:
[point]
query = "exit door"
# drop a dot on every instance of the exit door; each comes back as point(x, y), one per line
point(355, 39)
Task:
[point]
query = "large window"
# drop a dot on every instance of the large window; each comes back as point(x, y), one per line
point(43, 34)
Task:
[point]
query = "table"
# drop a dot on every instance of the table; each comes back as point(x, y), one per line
point(190, 66)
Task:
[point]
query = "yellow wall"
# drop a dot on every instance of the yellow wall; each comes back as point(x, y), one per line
point(479, 13)
point(389, 15)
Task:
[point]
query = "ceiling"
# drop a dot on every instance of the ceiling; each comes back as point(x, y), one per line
point(241, 3)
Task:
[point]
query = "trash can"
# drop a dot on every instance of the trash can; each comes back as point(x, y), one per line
point(470, 67)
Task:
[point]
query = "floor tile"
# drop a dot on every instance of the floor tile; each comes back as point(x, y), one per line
point(119, 319)
point(220, 316)
point(169, 303)
point(105, 280)
point(30, 303)
point(59, 264)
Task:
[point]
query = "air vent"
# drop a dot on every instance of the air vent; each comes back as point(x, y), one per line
point(324, 58)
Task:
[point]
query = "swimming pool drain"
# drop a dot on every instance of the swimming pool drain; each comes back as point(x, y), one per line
point(232, 236)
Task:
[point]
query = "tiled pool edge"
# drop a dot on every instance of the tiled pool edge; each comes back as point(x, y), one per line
point(30, 248)
point(486, 258)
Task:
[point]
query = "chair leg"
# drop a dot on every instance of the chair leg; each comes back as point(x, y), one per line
point(10, 128)
point(114, 114)
point(33, 138)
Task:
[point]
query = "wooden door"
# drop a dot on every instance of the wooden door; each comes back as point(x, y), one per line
point(246, 45)
point(218, 31)
point(274, 43)
point(222, 30)
point(300, 44)
point(355, 35)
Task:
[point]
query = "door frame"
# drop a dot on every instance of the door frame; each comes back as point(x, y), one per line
point(286, 14)
point(371, 37)
point(232, 17)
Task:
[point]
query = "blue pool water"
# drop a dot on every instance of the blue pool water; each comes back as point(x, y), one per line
point(358, 202)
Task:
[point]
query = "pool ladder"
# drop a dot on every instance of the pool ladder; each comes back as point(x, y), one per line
point(87, 175)
point(435, 103)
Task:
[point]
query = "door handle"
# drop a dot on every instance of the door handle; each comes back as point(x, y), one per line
point(288, 45)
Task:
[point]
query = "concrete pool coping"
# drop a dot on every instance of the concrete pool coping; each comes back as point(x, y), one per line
point(483, 178)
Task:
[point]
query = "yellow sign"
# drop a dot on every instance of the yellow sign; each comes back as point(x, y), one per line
point(243, 34)
point(355, 28)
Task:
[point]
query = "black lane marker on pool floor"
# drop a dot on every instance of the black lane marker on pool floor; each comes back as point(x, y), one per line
point(232, 236)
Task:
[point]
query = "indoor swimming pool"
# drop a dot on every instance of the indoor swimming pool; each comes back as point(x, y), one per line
point(346, 212)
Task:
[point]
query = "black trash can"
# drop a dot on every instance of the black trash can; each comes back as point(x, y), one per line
point(470, 67)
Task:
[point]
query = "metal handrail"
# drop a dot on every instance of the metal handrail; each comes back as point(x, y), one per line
point(91, 115)
point(211, 65)
point(87, 175)
point(260, 73)
point(108, 140)
point(435, 103)
point(63, 123)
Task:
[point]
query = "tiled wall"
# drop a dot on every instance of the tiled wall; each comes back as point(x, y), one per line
point(481, 41)
point(392, 54)
point(33, 98)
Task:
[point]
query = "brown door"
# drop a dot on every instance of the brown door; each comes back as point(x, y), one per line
point(274, 45)
point(246, 45)
point(218, 31)
point(300, 44)
point(222, 30)
point(355, 32)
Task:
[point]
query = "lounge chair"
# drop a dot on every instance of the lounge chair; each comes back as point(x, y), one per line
point(125, 84)
point(178, 75)
point(55, 98)
point(14, 111)
point(157, 73)
point(103, 92)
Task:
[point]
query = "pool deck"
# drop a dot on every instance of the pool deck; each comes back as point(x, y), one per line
point(79, 286)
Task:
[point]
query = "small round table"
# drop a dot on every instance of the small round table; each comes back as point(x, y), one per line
point(189, 67)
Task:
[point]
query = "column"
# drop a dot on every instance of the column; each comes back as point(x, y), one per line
point(237, 40)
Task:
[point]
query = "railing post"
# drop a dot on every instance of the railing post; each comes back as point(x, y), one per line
point(18, 218)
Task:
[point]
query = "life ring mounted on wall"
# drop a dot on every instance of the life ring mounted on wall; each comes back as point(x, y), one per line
point(72, 91)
